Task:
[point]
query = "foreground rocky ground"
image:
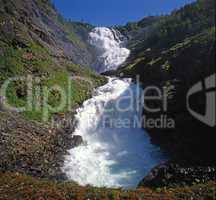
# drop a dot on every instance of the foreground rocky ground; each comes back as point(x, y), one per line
point(33, 148)
point(32, 155)
point(174, 175)
point(16, 186)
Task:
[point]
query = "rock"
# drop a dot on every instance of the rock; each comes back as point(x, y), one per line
point(1, 52)
point(32, 148)
point(77, 141)
point(2, 101)
point(172, 174)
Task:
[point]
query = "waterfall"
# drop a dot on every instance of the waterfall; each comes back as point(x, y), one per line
point(116, 151)
point(109, 44)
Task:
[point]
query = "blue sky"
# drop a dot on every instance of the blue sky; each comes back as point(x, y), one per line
point(115, 12)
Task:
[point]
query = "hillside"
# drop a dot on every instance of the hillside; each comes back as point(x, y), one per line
point(165, 31)
point(179, 53)
point(24, 22)
point(36, 40)
point(42, 49)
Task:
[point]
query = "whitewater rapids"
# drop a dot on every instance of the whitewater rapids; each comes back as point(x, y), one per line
point(116, 151)
point(109, 44)
point(114, 155)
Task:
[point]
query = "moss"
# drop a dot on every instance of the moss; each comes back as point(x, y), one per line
point(166, 66)
point(154, 61)
point(138, 60)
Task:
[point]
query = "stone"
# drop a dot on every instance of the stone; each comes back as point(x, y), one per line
point(2, 102)
point(170, 174)
point(77, 141)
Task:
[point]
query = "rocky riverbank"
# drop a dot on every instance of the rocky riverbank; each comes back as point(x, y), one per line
point(33, 148)
point(174, 175)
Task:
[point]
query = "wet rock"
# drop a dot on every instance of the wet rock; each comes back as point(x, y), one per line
point(1, 51)
point(77, 141)
point(2, 101)
point(172, 174)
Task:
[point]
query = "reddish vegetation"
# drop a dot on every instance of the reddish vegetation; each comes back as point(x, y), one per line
point(16, 186)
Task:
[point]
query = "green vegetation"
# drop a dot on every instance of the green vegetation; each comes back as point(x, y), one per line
point(76, 32)
point(179, 52)
point(165, 31)
point(69, 29)
point(134, 27)
point(180, 42)
point(33, 59)
point(176, 58)
point(23, 53)
point(194, 55)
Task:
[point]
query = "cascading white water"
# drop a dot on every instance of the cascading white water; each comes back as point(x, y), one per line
point(116, 152)
point(110, 48)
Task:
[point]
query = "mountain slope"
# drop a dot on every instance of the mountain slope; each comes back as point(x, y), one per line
point(43, 51)
point(165, 31)
point(179, 53)
point(24, 21)
point(35, 40)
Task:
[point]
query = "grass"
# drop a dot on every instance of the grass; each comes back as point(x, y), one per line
point(68, 27)
point(74, 92)
point(35, 60)
point(22, 54)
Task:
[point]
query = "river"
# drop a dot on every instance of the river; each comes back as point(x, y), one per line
point(117, 152)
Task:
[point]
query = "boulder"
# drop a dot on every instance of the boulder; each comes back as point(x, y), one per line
point(173, 174)
point(77, 140)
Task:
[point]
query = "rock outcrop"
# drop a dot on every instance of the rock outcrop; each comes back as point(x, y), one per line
point(174, 61)
point(173, 58)
point(171, 175)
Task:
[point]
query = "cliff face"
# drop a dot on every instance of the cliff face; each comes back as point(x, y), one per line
point(179, 52)
point(24, 21)
point(174, 53)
